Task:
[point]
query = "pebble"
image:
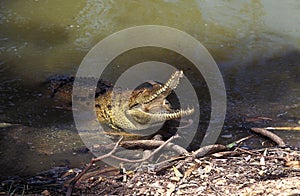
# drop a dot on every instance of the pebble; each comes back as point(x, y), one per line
point(175, 178)
point(45, 193)
point(226, 136)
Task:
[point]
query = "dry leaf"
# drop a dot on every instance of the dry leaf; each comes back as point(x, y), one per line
point(171, 188)
point(293, 164)
point(262, 161)
point(247, 158)
point(222, 154)
point(175, 178)
point(220, 182)
point(45, 193)
point(207, 169)
point(190, 170)
point(177, 172)
point(261, 172)
point(265, 152)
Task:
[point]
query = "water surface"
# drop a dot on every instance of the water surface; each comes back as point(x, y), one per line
point(255, 47)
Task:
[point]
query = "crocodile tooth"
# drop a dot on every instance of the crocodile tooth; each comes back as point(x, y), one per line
point(170, 84)
point(168, 116)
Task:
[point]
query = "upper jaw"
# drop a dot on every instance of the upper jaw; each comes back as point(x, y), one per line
point(150, 106)
point(158, 91)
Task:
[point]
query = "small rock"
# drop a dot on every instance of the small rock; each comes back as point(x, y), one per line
point(175, 178)
point(45, 193)
point(226, 136)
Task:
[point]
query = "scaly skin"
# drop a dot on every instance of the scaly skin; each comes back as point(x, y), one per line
point(139, 109)
point(128, 110)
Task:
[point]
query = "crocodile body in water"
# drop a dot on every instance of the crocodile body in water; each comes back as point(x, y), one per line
point(129, 110)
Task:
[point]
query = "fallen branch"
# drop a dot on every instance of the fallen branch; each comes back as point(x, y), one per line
point(146, 145)
point(201, 152)
point(189, 157)
point(208, 150)
point(269, 135)
point(146, 157)
point(150, 144)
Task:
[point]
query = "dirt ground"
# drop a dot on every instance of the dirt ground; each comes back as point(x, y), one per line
point(269, 171)
point(261, 172)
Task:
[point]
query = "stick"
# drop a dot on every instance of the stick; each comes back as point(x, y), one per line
point(269, 135)
point(284, 128)
point(110, 154)
point(208, 149)
point(73, 182)
point(147, 145)
point(147, 157)
point(235, 143)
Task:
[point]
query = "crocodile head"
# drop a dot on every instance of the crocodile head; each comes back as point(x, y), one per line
point(140, 109)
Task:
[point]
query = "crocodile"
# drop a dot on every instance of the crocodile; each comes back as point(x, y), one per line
point(141, 108)
point(138, 109)
point(61, 87)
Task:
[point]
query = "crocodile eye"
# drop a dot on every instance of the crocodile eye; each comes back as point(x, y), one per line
point(109, 106)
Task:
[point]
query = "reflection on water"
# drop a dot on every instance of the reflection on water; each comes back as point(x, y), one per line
point(256, 49)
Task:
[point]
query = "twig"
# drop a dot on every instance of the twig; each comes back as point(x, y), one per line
point(167, 163)
point(148, 156)
point(208, 149)
point(190, 156)
point(269, 135)
point(110, 154)
point(258, 154)
point(148, 144)
point(247, 151)
point(233, 144)
point(284, 128)
point(200, 153)
point(214, 189)
point(98, 172)
point(73, 182)
point(243, 139)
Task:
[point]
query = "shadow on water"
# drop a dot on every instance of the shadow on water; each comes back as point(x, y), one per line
point(24, 68)
point(42, 135)
point(264, 87)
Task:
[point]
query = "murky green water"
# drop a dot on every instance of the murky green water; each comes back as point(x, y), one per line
point(255, 46)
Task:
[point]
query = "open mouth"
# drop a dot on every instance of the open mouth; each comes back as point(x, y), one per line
point(141, 108)
point(151, 106)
